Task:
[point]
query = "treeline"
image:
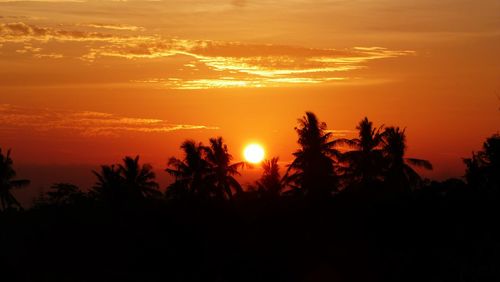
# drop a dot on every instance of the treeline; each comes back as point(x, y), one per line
point(343, 210)
point(322, 167)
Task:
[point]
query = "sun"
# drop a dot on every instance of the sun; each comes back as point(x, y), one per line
point(254, 153)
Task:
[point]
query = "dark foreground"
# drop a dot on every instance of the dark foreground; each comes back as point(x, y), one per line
point(435, 234)
point(385, 224)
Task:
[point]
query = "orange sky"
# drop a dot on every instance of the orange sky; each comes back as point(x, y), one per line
point(87, 82)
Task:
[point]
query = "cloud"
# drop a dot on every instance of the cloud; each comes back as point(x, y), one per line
point(232, 82)
point(36, 52)
point(211, 64)
point(48, 56)
point(22, 32)
point(263, 66)
point(250, 65)
point(84, 123)
point(114, 26)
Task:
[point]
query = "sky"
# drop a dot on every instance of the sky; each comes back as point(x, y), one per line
point(84, 83)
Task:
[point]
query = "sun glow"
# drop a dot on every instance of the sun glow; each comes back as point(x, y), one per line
point(254, 153)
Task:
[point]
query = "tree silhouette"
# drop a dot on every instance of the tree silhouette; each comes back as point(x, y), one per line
point(63, 194)
point(269, 183)
point(399, 172)
point(222, 171)
point(473, 171)
point(491, 152)
point(365, 162)
point(138, 180)
point(189, 173)
point(126, 183)
point(483, 168)
point(312, 170)
point(109, 185)
point(7, 183)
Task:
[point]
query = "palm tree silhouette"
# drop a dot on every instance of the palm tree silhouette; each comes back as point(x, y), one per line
point(129, 182)
point(7, 183)
point(138, 180)
point(269, 183)
point(63, 193)
point(189, 173)
point(223, 171)
point(399, 169)
point(109, 185)
point(312, 170)
point(366, 161)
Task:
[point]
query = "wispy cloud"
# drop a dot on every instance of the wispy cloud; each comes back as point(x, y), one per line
point(22, 32)
point(37, 52)
point(113, 26)
point(232, 82)
point(212, 64)
point(248, 65)
point(84, 123)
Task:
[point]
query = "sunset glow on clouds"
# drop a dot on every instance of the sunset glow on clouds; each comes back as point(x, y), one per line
point(85, 124)
point(211, 64)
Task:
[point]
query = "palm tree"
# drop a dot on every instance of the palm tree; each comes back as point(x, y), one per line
point(7, 183)
point(365, 162)
point(223, 171)
point(312, 170)
point(63, 194)
point(270, 182)
point(138, 180)
point(399, 169)
point(109, 185)
point(190, 172)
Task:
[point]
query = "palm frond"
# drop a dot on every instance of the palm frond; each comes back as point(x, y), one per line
point(420, 163)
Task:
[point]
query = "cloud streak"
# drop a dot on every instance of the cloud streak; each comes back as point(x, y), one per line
point(22, 32)
point(84, 123)
point(114, 26)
